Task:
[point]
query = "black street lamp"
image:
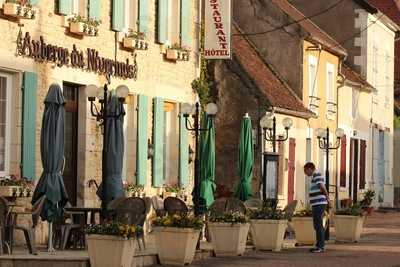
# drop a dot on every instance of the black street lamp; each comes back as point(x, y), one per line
point(101, 115)
point(323, 142)
point(188, 110)
point(268, 124)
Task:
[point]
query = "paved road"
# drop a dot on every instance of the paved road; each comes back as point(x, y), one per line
point(379, 247)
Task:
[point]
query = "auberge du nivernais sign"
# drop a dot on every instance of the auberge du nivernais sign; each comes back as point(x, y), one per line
point(89, 61)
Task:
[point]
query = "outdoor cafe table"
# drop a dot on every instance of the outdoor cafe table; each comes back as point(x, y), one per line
point(85, 211)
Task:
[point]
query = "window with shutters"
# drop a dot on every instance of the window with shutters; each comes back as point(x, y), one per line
point(375, 67)
point(330, 91)
point(5, 113)
point(388, 82)
point(80, 7)
point(312, 84)
point(174, 22)
point(171, 143)
point(131, 15)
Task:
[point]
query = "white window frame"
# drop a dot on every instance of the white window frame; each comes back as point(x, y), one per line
point(174, 14)
point(313, 84)
point(375, 67)
point(75, 7)
point(128, 14)
point(169, 146)
point(7, 140)
point(330, 91)
point(355, 95)
point(387, 80)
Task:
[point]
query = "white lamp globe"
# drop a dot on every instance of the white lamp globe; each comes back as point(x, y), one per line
point(287, 122)
point(122, 91)
point(339, 132)
point(186, 109)
point(91, 91)
point(266, 122)
point(211, 109)
point(320, 132)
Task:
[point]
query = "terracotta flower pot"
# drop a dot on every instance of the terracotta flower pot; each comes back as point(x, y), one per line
point(229, 239)
point(348, 228)
point(268, 234)
point(176, 246)
point(106, 251)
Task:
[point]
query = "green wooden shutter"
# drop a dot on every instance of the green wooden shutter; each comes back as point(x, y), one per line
point(143, 16)
point(186, 23)
point(183, 152)
point(158, 142)
point(141, 157)
point(95, 9)
point(118, 15)
point(34, 2)
point(65, 7)
point(163, 21)
point(29, 125)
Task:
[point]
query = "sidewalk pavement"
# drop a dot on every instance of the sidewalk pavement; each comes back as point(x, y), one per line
point(379, 247)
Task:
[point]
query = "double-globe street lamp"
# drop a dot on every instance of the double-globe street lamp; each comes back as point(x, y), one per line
point(102, 115)
point(323, 136)
point(268, 124)
point(188, 110)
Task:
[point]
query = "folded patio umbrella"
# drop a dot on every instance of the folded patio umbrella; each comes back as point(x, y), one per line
point(207, 161)
point(51, 183)
point(114, 149)
point(245, 164)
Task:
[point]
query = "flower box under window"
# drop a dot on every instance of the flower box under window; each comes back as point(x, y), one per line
point(83, 26)
point(19, 11)
point(176, 54)
point(135, 43)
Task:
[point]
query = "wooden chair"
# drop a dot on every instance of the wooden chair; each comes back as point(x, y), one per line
point(253, 204)
point(29, 231)
point(132, 210)
point(71, 226)
point(174, 205)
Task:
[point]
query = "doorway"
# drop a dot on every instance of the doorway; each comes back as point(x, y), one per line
point(71, 92)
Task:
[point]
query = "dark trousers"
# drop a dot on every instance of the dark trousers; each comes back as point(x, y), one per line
point(318, 215)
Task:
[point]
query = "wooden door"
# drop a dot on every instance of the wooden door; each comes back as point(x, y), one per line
point(291, 168)
point(354, 173)
point(71, 140)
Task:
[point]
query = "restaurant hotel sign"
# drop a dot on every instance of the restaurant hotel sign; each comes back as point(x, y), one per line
point(217, 36)
point(91, 61)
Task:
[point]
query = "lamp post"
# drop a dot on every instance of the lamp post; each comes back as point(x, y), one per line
point(194, 111)
point(323, 142)
point(101, 115)
point(268, 124)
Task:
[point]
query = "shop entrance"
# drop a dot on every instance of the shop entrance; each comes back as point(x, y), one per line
point(71, 140)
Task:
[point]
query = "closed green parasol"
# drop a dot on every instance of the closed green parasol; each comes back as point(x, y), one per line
point(207, 161)
point(245, 164)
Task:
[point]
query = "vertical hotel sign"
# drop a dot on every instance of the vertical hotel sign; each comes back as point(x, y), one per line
point(217, 35)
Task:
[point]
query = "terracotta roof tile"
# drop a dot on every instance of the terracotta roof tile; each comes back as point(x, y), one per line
point(275, 90)
point(315, 32)
point(354, 77)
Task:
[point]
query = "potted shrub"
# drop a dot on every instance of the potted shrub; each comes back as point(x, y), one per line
point(172, 191)
point(228, 233)
point(134, 190)
point(349, 221)
point(176, 238)
point(135, 40)
point(84, 26)
point(268, 227)
point(111, 244)
point(303, 226)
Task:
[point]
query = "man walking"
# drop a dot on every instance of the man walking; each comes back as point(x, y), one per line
point(319, 199)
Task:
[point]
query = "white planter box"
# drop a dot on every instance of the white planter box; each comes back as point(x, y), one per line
point(172, 54)
point(268, 234)
point(106, 251)
point(304, 230)
point(169, 194)
point(176, 246)
point(11, 191)
point(133, 43)
point(16, 10)
point(77, 27)
point(229, 239)
point(348, 228)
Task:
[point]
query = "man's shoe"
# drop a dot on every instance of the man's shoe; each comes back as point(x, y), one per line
point(317, 250)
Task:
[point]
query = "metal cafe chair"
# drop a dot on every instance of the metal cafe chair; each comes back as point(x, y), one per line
point(4, 226)
point(174, 205)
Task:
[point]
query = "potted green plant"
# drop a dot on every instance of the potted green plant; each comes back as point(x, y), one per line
point(134, 190)
point(135, 40)
point(13, 186)
point(349, 221)
point(176, 238)
point(228, 233)
point(16, 9)
point(173, 190)
point(111, 244)
point(268, 220)
point(177, 52)
point(302, 223)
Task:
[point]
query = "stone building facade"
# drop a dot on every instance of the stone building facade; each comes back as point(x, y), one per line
point(166, 65)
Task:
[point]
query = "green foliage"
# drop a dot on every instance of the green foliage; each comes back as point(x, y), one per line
point(174, 188)
point(306, 212)
point(179, 221)
point(369, 196)
point(268, 213)
point(396, 122)
point(134, 188)
point(353, 210)
point(229, 217)
point(114, 229)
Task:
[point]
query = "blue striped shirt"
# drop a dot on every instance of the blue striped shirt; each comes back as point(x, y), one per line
point(316, 196)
